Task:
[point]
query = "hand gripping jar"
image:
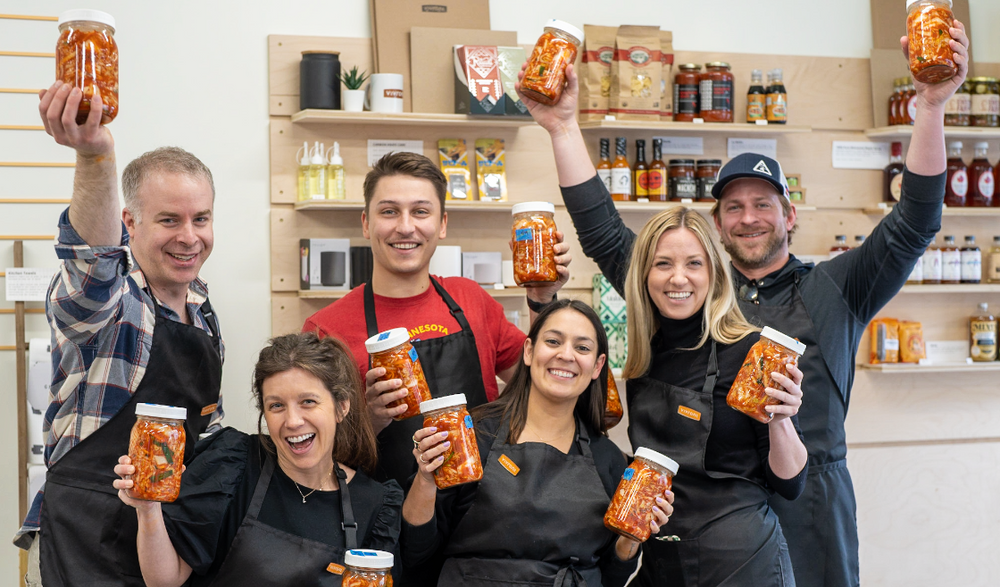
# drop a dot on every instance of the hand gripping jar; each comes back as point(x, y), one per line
point(367, 568)
point(927, 25)
point(534, 234)
point(156, 448)
point(545, 76)
point(771, 354)
point(461, 462)
point(631, 509)
point(613, 410)
point(87, 58)
point(392, 351)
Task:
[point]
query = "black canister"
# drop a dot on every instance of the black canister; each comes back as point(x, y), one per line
point(319, 80)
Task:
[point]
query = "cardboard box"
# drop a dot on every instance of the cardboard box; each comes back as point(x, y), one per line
point(511, 59)
point(477, 81)
point(325, 264)
point(393, 19)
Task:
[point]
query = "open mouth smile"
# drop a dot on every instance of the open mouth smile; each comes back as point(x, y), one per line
point(301, 444)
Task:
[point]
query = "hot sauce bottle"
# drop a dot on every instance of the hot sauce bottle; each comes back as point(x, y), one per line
point(894, 175)
point(951, 261)
point(957, 185)
point(640, 183)
point(657, 174)
point(604, 165)
point(981, 179)
point(756, 98)
point(621, 173)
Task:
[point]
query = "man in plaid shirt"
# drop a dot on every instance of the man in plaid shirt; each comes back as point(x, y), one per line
point(125, 331)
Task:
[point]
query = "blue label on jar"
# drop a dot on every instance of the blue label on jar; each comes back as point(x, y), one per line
point(523, 234)
point(413, 354)
point(383, 336)
point(468, 421)
point(629, 472)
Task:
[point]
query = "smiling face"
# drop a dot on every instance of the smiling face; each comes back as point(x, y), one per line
point(302, 420)
point(404, 223)
point(173, 236)
point(753, 226)
point(679, 279)
point(565, 358)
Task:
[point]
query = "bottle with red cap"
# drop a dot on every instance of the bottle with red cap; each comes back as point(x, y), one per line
point(957, 186)
point(894, 175)
point(981, 179)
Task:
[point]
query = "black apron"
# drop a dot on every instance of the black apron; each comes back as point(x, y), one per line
point(88, 534)
point(723, 532)
point(544, 526)
point(821, 525)
point(451, 365)
point(264, 556)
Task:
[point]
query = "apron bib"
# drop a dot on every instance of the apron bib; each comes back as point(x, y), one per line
point(88, 534)
point(723, 532)
point(528, 541)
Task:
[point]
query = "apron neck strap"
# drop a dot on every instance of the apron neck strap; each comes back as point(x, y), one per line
point(266, 472)
point(713, 370)
point(371, 321)
point(581, 437)
point(348, 524)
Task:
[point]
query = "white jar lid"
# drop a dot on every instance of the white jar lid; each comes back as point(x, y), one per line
point(368, 559)
point(158, 411)
point(652, 456)
point(86, 14)
point(566, 28)
point(910, 3)
point(533, 207)
point(784, 340)
point(384, 341)
point(440, 403)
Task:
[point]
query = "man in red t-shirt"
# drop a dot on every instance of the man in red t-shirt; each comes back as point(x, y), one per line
point(460, 333)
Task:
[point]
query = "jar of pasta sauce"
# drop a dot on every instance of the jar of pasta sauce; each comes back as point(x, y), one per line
point(392, 351)
point(985, 94)
point(715, 90)
point(87, 58)
point(156, 449)
point(367, 568)
point(613, 410)
point(927, 26)
point(631, 509)
point(461, 462)
point(705, 174)
point(534, 233)
point(958, 108)
point(681, 184)
point(545, 76)
point(686, 103)
point(773, 353)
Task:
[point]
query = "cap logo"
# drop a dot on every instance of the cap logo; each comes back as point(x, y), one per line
point(761, 167)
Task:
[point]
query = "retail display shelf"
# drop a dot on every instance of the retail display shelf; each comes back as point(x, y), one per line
point(732, 128)
point(951, 288)
point(308, 294)
point(950, 132)
point(700, 206)
point(316, 116)
point(943, 368)
point(450, 205)
point(883, 210)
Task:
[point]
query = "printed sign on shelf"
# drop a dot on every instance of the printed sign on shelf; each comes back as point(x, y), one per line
point(860, 155)
point(26, 284)
point(377, 148)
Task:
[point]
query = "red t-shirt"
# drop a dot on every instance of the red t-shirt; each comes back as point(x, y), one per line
point(426, 316)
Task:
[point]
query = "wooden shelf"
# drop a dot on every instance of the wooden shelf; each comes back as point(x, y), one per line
point(943, 368)
point(950, 132)
point(658, 206)
point(509, 292)
point(450, 205)
point(951, 288)
point(945, 210)
point(314, 116)
point(736, 128)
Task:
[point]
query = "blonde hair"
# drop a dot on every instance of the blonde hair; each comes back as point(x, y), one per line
point(722, 319)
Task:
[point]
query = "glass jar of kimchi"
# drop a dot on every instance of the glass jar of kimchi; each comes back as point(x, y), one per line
point(613, 410)
point(771, 354)
point(631, 509)
point(156, 449)
point(461, 462)
point(534, 234)
point(87, 58)
point(367, 568)
point(392, 351)
point(927, 26)
point(545, 76)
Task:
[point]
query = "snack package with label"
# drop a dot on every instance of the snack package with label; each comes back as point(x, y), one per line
point(911, 342)
point(491, 170)
point(885, 340)
point(666, 87)
point(510, 61)
point(635, 74)
point(455, 166)
point(595, 72)
point(477, 81)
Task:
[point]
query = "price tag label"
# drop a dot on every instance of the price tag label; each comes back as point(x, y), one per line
point(25, 284)
point(860, 155)
point(377, 148)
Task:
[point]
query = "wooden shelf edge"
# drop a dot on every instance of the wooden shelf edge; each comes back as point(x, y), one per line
point(314, 116)
point(944, 288)
point(695, 128)
point(957, 132)
point(944, 368)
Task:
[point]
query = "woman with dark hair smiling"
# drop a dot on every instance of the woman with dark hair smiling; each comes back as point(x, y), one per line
point(549, 471)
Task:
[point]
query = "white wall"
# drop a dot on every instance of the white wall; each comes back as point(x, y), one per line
point(194, 74)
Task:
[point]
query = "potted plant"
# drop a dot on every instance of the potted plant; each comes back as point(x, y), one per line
point(354, 96)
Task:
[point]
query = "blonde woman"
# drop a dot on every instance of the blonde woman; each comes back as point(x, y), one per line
point(687, 340)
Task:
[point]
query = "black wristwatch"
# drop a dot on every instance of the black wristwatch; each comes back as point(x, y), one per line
point(537, 307)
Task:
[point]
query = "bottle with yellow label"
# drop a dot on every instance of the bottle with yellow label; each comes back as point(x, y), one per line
point(756, 98)
point(777, 99)
point(983, 330)
point(640, 183)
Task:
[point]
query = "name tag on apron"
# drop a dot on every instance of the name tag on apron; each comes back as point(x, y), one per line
point(689, 413)
point(209, 409)
point(335, 569)
point(508, 464)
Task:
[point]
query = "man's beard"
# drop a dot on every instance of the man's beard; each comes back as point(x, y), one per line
point(755, 261)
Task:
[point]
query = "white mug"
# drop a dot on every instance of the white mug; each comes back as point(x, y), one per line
point(385, 92)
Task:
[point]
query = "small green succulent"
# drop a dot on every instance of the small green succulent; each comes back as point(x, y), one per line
point(352, 79)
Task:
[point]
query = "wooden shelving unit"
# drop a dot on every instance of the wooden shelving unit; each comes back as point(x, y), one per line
point(951, 288)
point(965, 368)
point(945, 211)
point(509, 292)
point(735, 128)
point(950, 132)
point(451, 206)
point(407, 118)
point(700, 206)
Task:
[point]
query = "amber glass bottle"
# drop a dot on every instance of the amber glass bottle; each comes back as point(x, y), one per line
point(621, 173)
point(981, 179)
point(957, 186)
point(657, 174)
point(604, 165)
point(894, 175)
point(640, 183)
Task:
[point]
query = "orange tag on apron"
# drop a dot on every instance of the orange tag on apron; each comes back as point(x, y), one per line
point(508, 464)
point(209, 409)
point(335, 569)
point(689, 413)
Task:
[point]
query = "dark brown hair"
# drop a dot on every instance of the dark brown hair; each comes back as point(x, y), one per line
point(513, 402)
point(330, 361)
point(410, 164)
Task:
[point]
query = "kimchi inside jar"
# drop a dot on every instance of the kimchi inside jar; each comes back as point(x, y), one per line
point(545, 76)
point(461, 461)
point(613, 410)
point(533, 235)
point(927, 26)
point(392, 351)
point(87, 58)
point(631, 509)
point(367, 568)
point(156, 449)
point(773, 353)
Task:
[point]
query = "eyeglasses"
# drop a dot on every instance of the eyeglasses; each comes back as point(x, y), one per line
point(748, 293)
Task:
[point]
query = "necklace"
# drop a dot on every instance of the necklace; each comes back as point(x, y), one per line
point(549, 440)
point(305, 495)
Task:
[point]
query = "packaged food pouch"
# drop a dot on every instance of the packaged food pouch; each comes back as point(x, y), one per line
point(595, 71)
point(911, 342)
point(635, 74)
point(666, 87)
point(491, 170)
point(455, 166)
point(885, 341)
